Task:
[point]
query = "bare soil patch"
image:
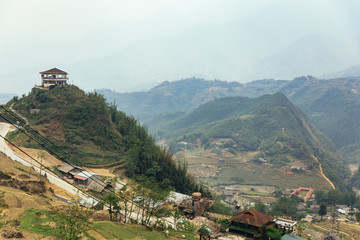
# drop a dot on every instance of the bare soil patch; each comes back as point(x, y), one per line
point(40, 156)
point(353, 168)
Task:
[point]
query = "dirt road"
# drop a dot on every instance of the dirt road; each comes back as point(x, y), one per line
point(53, 179)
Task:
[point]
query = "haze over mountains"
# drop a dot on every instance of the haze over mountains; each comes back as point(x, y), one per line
point(136, 54)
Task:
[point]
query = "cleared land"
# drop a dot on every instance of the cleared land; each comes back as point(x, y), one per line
point(345, 230)
point(227, 170)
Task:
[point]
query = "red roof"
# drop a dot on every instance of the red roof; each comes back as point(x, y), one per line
point(80, 177)
point(308, 195)
point(252, 217)
point(54, 71)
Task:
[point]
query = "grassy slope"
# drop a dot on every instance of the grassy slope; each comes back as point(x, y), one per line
point(37, 223)
point(70, 119)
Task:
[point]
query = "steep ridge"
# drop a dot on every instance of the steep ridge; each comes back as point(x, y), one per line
point(94, 134)
point(270, 124)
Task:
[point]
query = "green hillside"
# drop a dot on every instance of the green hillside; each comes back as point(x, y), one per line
point(270, 124)
point(332, 105)
point(97, 135)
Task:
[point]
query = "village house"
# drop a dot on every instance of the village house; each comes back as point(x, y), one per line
point(250, 222)
point(101, 187)
point(195, 206)
point(85, 178)
point(69, 170)
point(88, 179)
point(53, 77)
point(286, 224)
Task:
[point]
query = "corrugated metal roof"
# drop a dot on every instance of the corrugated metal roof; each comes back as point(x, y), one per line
point(65, 168)
point(87, 174)
point(80, 177)
point(97, 186)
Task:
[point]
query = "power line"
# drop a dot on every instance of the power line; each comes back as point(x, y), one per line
point(122, 196)
point(11, 117)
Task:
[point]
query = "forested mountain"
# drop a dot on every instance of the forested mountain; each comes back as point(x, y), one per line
point(97, 134)
point(332, 105)
point(184, 95)
point(270, 124)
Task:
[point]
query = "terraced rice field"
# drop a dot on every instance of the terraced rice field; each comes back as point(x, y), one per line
point(218, 171)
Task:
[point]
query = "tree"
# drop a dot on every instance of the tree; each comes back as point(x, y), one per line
point(204, 232)
point(357, 215)
point(273, 233)
point(277, 193)
point(2, 203)
point(72, 222)
point(112, 200)
point(284, 206)
point(260, 206)
point(322, 210)
point(225, 223)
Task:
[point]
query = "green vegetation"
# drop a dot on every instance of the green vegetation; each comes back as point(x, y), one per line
point(270, 124)
point(96, 134)
point(286, 206)
point(113, 230)
point(2, 206)
point(71, 223)
point(332, 105)
point(355, 180)
point(273, 233)
point(334, 197)
point(47, 223)
point(322, 210)
point(36, 221)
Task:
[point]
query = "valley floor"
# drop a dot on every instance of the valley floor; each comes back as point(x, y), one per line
point(237, 173)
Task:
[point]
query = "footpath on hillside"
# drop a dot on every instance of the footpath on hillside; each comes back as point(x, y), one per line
point(322, 173)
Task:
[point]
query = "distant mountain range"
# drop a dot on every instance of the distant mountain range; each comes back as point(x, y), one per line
point(5, 97)
point(348, 72)
point(333, 106)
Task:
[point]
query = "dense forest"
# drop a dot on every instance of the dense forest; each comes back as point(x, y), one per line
point(96, 134)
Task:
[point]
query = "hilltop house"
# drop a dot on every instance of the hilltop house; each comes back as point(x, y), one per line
point(53, 77)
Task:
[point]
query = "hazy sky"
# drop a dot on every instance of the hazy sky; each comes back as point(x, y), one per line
point(43, 33)
point(31, 27)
